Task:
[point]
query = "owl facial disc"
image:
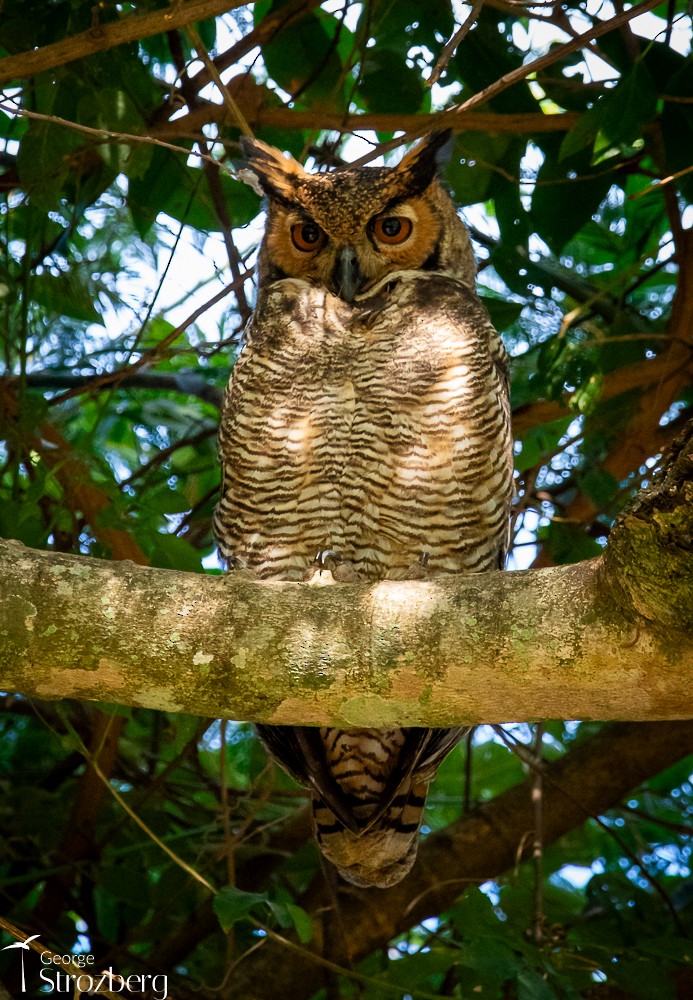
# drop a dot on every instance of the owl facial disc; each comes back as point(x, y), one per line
point(345, 230)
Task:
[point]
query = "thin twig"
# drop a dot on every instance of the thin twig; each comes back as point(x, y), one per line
point(28, 941)
point(199, 46)
point(381, 984)
point(106, 134)
point(211, 167)
point(134, 816)
point(457, 38)
point(165, 453)
point(469, 740)
point(22, 65)
point(538, 843)
point(656, 185)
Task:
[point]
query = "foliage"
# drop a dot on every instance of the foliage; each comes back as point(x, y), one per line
point(575, 182)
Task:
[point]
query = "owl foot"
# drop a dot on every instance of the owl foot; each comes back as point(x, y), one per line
point(415, 571)
point(327, 558)
point(329, 562)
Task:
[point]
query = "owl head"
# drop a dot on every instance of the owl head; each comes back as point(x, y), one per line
point(347, 228)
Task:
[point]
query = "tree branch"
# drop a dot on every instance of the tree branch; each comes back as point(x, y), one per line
point(188, 381)
point(609, 638)
point(107, 36)
point(259, 116)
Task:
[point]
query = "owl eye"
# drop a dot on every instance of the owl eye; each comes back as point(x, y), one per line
point(392, 229)
point(307, 236)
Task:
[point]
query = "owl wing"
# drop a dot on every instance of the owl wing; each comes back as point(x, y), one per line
point(300, 751)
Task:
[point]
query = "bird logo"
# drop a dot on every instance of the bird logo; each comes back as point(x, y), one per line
point(24, 946)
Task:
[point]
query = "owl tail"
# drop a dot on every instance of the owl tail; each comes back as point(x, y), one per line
point(369, 790)
point(381, 854)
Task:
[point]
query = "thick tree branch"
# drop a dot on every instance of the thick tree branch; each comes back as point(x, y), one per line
point(107, 36)
point(260, 115)
point(609, 638)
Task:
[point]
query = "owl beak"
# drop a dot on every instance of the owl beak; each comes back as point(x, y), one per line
point(347, 277)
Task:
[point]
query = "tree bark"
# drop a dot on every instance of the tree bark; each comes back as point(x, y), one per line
point(610, 638)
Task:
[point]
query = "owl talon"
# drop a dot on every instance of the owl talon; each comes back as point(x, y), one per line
point(328, 561)
point(323, 555)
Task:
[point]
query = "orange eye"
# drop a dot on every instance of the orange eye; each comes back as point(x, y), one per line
point(307, 236)
point(392, 229)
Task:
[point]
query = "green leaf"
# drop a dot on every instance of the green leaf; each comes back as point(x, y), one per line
point(629, 106)
point(599, 486)
point(511, 215)
point(673, 948)
point(564, 179)
point(290, 915)
point(303, 58)
point(65, 295)
point(488, 53)
point(490, 957)
point(541, 441)
point(503, 313)
point(127, 883)
point(388, 84)
point(582, 135)
point(167, 185)
point(470, 170)
point(390, 22)
point(532, 986)
point(618, 117)
point(23, 522)
point(207, 31)
point(170, 552)
point(43, 161)
point(568, 543)
point(231, 904)
point(475, 909)
point(107, 914)
point(167, 501)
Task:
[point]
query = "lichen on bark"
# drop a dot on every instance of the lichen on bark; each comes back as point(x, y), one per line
point(609, 638)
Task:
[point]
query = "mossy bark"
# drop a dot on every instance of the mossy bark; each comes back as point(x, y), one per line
point(610, 638)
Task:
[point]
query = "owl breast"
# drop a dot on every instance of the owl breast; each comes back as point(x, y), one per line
point(378, 429)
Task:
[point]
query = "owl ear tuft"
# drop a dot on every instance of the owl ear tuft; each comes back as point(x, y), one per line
point(421, 164)
point(268, 171)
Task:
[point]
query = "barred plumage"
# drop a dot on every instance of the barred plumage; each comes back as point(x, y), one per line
point(368, 418)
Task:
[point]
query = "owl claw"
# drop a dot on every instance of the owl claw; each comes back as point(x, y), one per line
point(323, 555)
point(328, 561)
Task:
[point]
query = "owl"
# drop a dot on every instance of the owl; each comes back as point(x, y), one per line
point(365, 432)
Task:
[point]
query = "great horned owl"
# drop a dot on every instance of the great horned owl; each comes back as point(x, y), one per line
point(366, 420)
